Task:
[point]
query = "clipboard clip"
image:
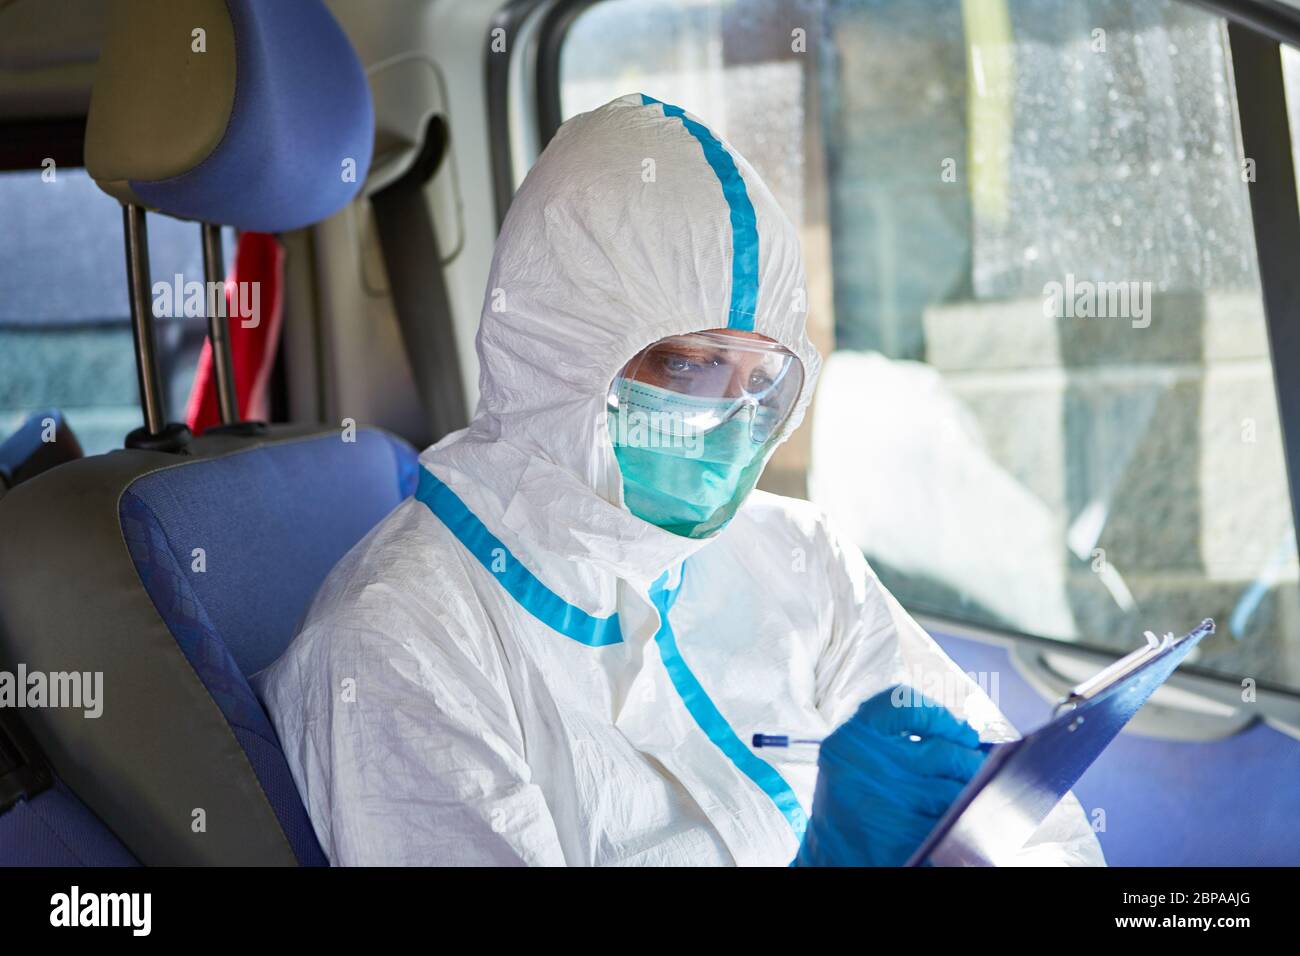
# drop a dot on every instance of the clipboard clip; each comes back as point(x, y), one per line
point(1109, 676)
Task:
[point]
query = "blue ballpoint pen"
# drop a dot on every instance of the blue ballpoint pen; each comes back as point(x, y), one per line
point(785, 740)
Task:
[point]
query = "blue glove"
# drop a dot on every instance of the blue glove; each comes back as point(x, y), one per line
point(879, 792)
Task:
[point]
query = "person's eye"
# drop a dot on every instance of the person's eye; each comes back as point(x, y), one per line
point(687, 363)
point(759, 380)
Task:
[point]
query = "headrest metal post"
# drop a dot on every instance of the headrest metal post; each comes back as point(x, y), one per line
point(138, 286)
point(156, 434)
point(218, 327)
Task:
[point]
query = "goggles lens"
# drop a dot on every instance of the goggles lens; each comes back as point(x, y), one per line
point(707, 379)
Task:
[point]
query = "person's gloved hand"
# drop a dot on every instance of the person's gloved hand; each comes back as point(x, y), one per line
point(879, 792)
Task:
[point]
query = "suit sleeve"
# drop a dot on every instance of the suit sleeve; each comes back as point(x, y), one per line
point(405, 742)
point(873, 643)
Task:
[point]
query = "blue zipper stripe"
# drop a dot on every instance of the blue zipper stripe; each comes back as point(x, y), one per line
point(559, 615)
point(710, 719)
point(520, 583)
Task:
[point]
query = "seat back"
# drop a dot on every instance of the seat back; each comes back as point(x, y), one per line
point(262, 526)
point(167, 578)
point(175, 578)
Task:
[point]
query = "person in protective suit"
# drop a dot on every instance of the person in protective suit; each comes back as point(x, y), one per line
point(558, 651)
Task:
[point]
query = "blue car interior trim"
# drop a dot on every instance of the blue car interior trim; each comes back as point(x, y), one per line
point(744, 223)
point(55, 828)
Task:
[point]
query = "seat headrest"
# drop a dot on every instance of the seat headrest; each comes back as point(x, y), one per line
point(240, 112)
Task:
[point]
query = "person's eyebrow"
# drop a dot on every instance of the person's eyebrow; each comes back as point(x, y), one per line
point(693, 352)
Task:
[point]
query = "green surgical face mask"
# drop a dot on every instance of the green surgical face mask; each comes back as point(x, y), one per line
point(690, 484)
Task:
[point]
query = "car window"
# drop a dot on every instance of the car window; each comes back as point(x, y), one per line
point(1048, 405)
point(65, 330)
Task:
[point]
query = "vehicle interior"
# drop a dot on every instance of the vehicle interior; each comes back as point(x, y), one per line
point(180, 468)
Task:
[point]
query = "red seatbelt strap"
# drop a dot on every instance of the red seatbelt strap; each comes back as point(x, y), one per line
point(253, 304)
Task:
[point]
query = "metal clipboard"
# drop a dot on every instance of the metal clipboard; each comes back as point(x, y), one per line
point(1022, 780)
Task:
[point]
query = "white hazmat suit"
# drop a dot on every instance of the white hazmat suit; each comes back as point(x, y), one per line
point(512, 668)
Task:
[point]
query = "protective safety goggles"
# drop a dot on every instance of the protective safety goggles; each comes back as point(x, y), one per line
point(701, 381)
